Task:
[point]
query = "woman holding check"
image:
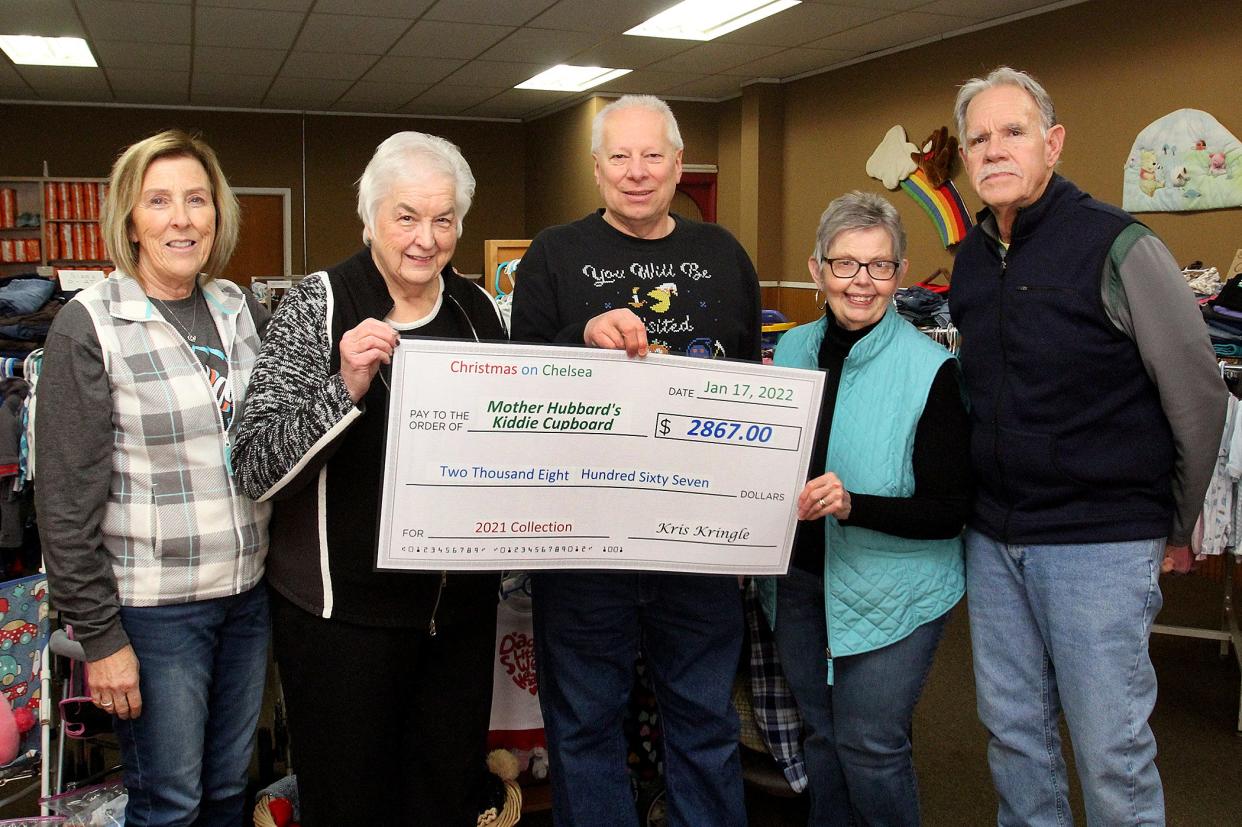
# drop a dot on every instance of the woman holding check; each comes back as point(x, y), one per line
point(877, 559)
point(312, 443)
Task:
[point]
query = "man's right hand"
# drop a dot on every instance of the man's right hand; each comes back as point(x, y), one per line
point(114, 684)
point(617, 330)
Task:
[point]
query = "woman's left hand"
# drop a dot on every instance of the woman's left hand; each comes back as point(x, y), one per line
point(823, 496)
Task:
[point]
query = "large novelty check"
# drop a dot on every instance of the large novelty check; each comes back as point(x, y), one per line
point(517, 457)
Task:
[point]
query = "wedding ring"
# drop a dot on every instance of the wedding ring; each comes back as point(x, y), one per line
point(822, 504)
point(105, 703)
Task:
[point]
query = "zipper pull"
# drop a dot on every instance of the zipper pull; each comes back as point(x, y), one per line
point(431, 625)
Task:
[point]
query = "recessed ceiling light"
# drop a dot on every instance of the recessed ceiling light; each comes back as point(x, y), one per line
point(566, 78)
point(47, 51)
point(708, 19)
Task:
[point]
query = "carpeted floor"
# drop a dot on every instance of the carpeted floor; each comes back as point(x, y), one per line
point(1200, 754)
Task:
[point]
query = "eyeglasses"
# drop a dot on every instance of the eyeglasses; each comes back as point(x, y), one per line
point(847, 268)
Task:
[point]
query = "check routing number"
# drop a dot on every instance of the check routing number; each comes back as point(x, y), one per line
point(517, 457)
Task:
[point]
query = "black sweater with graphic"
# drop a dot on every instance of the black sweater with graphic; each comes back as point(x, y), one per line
point(695, 289)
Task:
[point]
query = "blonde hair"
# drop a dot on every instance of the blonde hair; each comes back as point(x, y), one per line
point(125, 187)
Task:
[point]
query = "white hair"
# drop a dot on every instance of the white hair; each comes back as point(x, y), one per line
point(1004, 76)
point(411, 155)
point(649, 102)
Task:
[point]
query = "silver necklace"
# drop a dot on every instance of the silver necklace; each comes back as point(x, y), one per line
point(171, 315)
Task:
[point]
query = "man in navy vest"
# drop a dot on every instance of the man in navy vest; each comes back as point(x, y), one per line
point(1097, 411)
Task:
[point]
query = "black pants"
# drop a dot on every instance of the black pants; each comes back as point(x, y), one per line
point(387, 726)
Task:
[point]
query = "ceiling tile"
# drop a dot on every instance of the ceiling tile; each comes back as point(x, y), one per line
point(232, 101)
point(270, 5)
point(155, 95)
point(891, 5)
point(494, 73)
point(17, 92)
point(803, 23)
point(350, 33)
point(115, 54)
point(64, 83)
point(714, 57)
point(246, 28)
point(412, 69)
point(218, 60)
point(52, 18)
point(391, 95)
point(112, 20)
point(898, 30)
point(441, 38)
point(792, 62)
point(9, 76)
point(323, 65)
point(981, 9)
point(714, 87)
point(407, 9)
point(627, 52)
point(546, 46)
point(426, 110)
point(242, 86)
point(517, 103)
point(456, 98)
point(134, 80)
point(508, 13)
point(588, 16)
point(294, 93)
point(644, 82)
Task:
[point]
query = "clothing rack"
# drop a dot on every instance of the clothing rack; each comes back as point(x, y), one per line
point(947, 336)
point(1228, 634)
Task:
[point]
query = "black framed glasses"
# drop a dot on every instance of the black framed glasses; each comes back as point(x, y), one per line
point(846, 268)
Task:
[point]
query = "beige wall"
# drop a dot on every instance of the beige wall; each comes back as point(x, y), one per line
point(1110, 70)
point(265, 150)
point(560, 186)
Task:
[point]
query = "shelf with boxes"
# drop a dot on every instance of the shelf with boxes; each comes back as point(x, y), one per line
point(51, 224)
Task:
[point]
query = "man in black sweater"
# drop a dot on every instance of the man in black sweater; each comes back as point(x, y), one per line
point(634, 276)
point(1097, 413)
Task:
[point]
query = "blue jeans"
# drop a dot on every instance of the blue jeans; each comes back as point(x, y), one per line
point(1064, 629)
point(201, 667)
point(589, 627)
point(856, 732)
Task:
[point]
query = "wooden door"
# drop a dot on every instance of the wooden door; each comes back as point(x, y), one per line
point(261, 246)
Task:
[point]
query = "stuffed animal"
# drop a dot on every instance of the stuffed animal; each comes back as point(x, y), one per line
point(1149, 168)
point(13, 724)
point(936, 157)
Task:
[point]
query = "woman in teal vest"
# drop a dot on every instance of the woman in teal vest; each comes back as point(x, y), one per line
point(877, 559)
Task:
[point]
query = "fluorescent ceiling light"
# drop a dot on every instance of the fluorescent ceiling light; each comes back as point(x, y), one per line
point(566, 78)
point(708, 19)
point(47, 51)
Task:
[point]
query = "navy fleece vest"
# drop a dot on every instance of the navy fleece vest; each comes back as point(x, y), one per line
point(1069, 440)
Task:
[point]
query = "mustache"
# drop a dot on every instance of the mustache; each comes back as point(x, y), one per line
point(995, 168)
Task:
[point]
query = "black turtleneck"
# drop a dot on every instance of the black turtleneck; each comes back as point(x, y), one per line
point(943, 484)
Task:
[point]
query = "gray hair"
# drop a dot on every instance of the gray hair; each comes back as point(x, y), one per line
point(410, 155)
point(1004, 76)
point(649, 102)
point(859, 211)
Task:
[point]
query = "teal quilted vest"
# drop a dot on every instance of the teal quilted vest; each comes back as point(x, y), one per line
point(878, 588)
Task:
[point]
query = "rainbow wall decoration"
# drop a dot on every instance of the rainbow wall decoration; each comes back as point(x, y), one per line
point(942, 204)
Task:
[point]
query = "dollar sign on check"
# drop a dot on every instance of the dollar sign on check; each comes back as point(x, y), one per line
point(662, 426)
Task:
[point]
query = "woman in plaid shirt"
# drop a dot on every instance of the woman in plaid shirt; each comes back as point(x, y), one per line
point(153, 553)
